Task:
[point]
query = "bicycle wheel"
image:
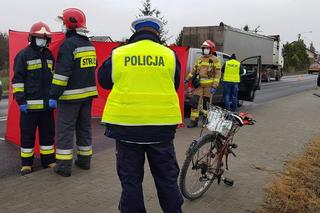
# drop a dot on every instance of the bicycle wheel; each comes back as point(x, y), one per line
point(201, 167)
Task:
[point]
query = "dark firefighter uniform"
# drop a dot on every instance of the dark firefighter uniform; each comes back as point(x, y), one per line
point(74, 86)
point(33, 67)
point(142, 113)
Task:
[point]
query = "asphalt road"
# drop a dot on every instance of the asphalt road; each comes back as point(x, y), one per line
point(10, 163)
point(288, 85)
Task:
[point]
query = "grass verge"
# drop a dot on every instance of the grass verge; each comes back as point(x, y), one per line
point(297, 189)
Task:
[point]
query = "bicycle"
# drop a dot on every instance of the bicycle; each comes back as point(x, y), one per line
point(204, 156)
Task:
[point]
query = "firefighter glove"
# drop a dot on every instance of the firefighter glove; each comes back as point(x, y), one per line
point(213, 90)
point(23, 108)
point(52, 103)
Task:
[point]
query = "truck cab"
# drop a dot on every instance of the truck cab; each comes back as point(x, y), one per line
point(250, 81)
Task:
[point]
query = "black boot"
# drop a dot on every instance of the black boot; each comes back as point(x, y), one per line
point(83, 162)
point(63, 170)
point(193, 124)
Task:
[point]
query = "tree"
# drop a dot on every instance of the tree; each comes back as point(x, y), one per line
point(312, 49)
point(4, 51)
point(147, 10)
point(295, 56)
point(179, 38)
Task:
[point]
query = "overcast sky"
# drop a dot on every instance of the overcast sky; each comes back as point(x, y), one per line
point(106, 17)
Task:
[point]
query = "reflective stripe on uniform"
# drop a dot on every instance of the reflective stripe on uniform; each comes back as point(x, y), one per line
point(64, 154)
point(194, 114)
point(26, 152)
point(84, 150)
point(18, 87)
point(34, 64)
point(46, 150)
point(35, 104)
point(79, 93)
point(60, 80)
point(206, 80)
point(50, 64)
point(217, 65)
point(216, 80)
point(84, 51)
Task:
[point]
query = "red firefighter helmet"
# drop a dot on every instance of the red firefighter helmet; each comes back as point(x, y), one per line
point(73, 18)
point(40, 29)
point(209, 44)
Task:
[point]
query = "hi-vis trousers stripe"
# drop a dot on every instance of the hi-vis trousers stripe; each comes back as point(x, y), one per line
point(64, 154)
point(18, 87)
point(46, 150)
point(79, 93)
point(84, 150)
point(26, 152)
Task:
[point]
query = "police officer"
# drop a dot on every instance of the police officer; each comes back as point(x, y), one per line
point(205, 77)
point(73, 86)
point(33, 67)
point(232, 70)
point(142, 113)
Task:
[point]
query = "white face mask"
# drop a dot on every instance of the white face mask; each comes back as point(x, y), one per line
point(41, 42)
point(64, 28)
point(206, 51)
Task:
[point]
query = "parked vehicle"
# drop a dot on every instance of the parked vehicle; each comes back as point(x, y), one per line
point(244, 44)
point(315, 67)
point(250, 82)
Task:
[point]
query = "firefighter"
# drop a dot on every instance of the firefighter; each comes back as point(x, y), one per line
point(33, 68)
point(232, 71)
point(142, 113)
point(74, 87)
point(205, 77)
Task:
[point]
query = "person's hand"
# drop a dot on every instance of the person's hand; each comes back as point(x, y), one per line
point(23, 108)
point(186, 81)
point(213, 90)
point(52, 103)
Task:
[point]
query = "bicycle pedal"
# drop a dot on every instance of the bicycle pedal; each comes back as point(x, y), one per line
point(228, 181)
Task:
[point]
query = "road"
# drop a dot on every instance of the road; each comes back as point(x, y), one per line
point(10, 163)
point(288, 85)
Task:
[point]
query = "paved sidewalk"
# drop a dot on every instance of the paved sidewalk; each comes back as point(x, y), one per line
point(283, 127)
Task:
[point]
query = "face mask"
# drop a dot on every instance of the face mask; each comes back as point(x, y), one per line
point(64, 28)
point(206, 51)
point(41, 42)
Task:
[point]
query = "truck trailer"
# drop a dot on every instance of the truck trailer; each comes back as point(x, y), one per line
point(244, 44)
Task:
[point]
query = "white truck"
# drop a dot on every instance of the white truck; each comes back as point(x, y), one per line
point(244, 44)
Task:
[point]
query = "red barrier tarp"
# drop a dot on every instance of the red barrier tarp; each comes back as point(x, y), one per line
point(19, 40)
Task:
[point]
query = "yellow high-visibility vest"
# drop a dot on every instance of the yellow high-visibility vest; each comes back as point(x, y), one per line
point(232, 71)
point(143, 90)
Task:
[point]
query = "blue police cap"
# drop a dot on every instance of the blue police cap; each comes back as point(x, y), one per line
point(147, 21)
